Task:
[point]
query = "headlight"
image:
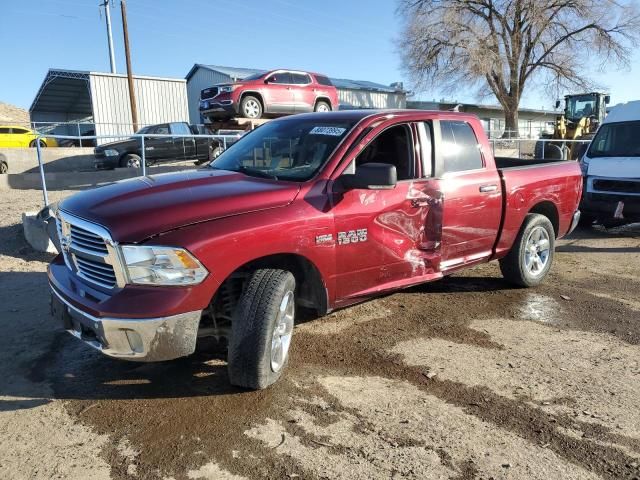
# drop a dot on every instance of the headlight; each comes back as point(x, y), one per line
point(149, 265)
point(584, 165)
point(227, 89)
point(110, 152)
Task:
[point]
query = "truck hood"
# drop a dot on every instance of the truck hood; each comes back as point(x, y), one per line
point(116, 144)
point(134, 210)
point(614, 167)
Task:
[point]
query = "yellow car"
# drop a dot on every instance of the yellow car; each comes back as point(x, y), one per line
point(16, 136)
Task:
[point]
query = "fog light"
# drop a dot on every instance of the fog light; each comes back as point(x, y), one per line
point(135, 341)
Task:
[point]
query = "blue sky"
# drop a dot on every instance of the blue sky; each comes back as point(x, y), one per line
point(342, 38)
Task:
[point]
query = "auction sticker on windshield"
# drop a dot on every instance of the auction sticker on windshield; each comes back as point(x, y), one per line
point(333, 131)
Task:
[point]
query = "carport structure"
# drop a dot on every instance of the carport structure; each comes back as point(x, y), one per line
point(100, 102)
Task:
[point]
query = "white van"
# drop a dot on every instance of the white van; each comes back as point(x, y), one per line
point(611, 168)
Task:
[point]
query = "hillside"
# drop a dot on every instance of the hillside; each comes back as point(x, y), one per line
point(12, 114)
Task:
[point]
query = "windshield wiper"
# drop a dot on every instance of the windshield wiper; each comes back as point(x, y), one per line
point(256, 171)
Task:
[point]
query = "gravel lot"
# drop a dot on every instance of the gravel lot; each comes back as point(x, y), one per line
point(464, 378)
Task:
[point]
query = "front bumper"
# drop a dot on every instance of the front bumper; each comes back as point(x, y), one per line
point(102, 162)
point(218, 109)
point(603, 206)
point(139, 339)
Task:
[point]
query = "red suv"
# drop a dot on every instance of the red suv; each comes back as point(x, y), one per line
point(269, 93)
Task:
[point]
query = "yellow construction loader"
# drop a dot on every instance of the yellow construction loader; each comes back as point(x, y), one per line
point(582, 116)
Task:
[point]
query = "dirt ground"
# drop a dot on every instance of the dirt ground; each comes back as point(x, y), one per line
point(459, 379)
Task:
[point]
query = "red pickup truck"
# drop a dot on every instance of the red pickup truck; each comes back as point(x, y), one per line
point(313, 210)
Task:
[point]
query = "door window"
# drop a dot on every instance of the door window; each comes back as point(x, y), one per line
point(161, 130)
point(180, 129)
point(394, 146)
point(20, 131)
point(4, 131)
point(460, 148)
point(280, 77)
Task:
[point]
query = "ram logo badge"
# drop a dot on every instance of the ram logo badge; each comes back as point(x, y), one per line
point(352, 236)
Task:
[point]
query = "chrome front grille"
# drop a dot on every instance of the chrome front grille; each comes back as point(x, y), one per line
point(89, 251)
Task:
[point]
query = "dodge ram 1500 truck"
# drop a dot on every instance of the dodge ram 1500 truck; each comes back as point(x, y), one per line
point(314, 210)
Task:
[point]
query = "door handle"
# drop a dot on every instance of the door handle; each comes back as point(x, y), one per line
point(488, 188)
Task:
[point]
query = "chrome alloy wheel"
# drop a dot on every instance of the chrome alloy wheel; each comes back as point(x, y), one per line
point(322, 108)
point(537, 250)
point(251, 108)
point(133, 163)
point(282, 332)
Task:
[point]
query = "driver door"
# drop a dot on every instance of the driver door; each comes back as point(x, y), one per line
point(389, 238)
point(279, 93)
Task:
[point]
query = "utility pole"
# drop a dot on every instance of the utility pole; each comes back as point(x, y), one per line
point(127, 54)
point(107, 14)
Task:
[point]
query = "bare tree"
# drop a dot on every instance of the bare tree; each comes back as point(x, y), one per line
point(501, 46)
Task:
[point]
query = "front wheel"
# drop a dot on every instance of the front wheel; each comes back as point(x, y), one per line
point(250, 107)
point(131, 160)
point(262, 329)
point(42, 144)
point(531, 255)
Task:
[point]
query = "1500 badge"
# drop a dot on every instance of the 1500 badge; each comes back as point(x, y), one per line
point(352, 236)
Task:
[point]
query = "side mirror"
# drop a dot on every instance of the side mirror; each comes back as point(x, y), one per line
point(371, 176)
point(607, 99)
point(557, 104)
point(268, 80)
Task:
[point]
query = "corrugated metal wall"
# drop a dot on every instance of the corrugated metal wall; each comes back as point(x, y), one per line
point(350, 99)
point(157, 100)
point(201, 79)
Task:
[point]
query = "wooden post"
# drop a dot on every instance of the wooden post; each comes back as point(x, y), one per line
point(127, 53)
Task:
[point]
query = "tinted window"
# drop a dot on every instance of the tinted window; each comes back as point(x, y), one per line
point(4, 130)
point(180, 129)
point(322, 80)
point(281, 77)
point(160, 130)
point(616, 140)
point(284, 149)
point(460, 149)
point(20, 131)
point(300, 79)
point(393, 146)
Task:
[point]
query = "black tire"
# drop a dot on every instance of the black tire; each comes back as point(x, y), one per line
point(4, 168)
point(322, 106)
point(252, 328)
point(129, 160)
point(42, 144)
point(514, 265)
point(251, 107)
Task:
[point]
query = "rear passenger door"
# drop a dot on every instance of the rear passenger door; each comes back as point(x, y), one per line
point(472, 196)
point(304, 96)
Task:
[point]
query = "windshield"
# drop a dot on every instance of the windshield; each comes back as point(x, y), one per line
point(616, 140)
point(255, 76)
point(287, 149)
point(580, 106)
point(143, 130)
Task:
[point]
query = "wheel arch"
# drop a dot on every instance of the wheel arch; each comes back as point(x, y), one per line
point(252, 93)
point(324, 99)
point(310, 285)
point(549, 210)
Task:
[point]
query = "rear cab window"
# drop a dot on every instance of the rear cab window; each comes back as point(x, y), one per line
point(459, 148)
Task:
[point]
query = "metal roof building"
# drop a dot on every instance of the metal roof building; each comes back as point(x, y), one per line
point(101, 101)
point(351, 93)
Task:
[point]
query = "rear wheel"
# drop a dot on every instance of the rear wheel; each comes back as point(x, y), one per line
point(531, 256)
point(4, 168)
point(262, 329)
point(322, 106)
point(250, 107)
point(42, 144)
point(131, 160)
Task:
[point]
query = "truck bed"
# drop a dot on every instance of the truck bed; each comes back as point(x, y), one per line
point(554, 184)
